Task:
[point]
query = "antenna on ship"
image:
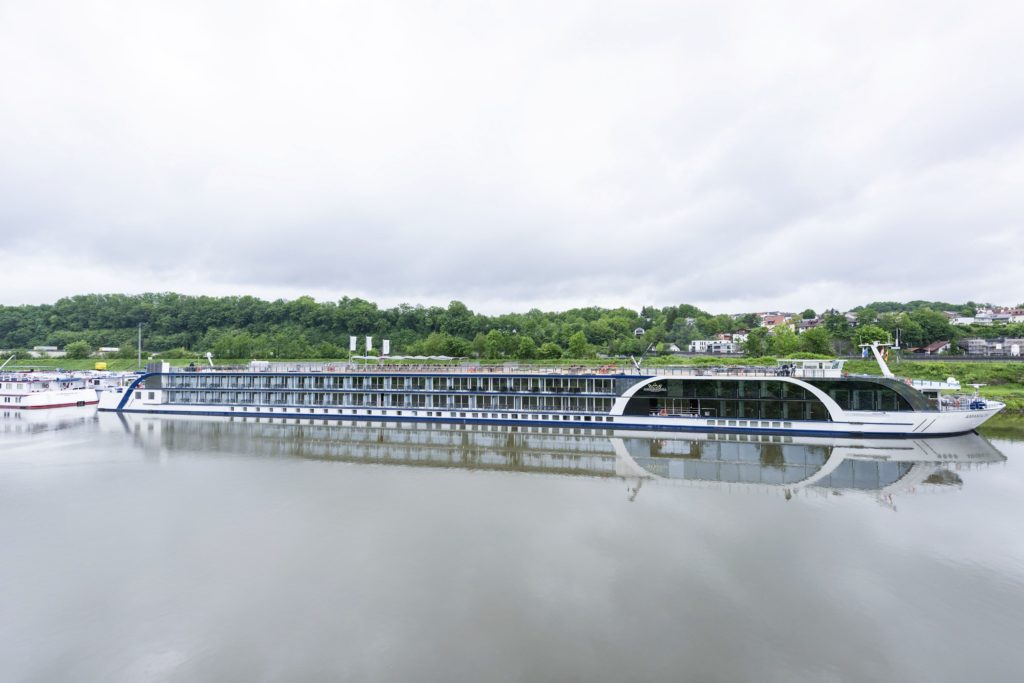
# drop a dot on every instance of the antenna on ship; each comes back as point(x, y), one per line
point(209, 358)
point(874, 346)
point(8, 361)
point(637, 362)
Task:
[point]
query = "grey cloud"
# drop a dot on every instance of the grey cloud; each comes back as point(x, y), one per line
point(736, 156)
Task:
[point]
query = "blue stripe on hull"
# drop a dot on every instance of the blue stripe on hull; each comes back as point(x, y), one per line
point(127, 393)
point(534, 423)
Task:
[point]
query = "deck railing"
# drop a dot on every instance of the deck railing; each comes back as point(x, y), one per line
point(958, 403)
point(679, 413)
point(443, 369)
point(606, 370)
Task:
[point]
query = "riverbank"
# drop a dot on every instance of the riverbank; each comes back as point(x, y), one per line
point(51, 364)
point(1004, 426)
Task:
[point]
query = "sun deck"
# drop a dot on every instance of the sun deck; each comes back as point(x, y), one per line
point(785, 368)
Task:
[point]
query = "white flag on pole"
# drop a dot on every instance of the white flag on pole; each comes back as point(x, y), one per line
point(352, 344)
point(369, 343)
point(386, 347)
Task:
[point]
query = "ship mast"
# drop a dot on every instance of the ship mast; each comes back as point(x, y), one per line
point(875, 346)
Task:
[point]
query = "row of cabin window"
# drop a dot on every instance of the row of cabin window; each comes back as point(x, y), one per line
point(749, 389)
point(489, 384)
point(459, 401)
point(850, 395)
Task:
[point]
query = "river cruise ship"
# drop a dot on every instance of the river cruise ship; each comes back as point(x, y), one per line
point(797, 397)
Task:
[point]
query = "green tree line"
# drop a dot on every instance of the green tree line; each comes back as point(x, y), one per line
point(249, 327)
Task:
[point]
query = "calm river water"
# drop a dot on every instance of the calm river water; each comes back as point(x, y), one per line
point(175, 549)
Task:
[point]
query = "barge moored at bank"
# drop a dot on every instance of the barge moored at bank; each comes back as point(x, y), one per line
point(798, 397)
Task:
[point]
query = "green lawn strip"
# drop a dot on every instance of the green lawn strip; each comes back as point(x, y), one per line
point(1004, 426)
point(49, 364)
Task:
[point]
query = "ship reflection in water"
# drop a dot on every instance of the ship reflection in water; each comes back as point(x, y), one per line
point(17, 423)
point(784, 465)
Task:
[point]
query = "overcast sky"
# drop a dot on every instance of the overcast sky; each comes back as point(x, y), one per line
point(734, 155)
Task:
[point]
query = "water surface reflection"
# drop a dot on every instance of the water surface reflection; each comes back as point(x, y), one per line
point(149, 548)
point(786, 465)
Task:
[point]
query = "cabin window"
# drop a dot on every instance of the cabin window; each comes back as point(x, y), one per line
point(750, 390)
point(863, 394)
point(748, 399)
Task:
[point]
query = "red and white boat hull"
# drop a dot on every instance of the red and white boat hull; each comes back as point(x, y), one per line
point(59, 398)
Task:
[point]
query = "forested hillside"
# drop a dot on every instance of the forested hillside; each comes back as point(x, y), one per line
point(243, 327)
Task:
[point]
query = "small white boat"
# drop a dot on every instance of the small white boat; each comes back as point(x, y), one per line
point(36, 390)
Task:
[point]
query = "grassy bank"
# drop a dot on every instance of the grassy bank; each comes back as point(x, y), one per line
point(1004, 426)
point(117, 364)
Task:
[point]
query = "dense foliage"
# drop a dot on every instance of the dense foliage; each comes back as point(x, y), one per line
point(242, 327)
point(248, 327)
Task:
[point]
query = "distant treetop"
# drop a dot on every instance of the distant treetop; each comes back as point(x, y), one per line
point(249, 327)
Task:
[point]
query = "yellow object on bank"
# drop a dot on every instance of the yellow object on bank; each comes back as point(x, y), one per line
point(101, 366)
